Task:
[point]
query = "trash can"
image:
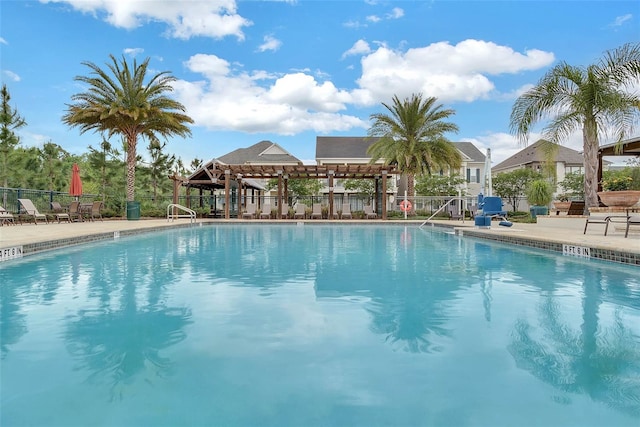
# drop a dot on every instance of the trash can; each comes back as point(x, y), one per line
point(483, 221)
point(133, 210)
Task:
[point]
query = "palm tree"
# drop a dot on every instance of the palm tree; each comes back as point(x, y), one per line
point(125, 103)
point(412, 137)
point(593, 99)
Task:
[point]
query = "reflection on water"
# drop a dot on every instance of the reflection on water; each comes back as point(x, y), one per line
point(317, 325)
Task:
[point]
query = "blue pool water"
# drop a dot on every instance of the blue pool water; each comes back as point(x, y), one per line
point(289, 325)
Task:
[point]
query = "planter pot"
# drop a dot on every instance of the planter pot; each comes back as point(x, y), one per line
point(538, 210)
point(624, 198)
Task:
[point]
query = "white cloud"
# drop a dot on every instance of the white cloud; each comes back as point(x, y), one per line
point(620, 20)
point(360, 47)
point(396, 13)
point(260, 102)
point(449, 72)
point(186, 18)
point(230, 98)
point(11, 75)
point(270, 43)
point(3, 41)
point(133, 51)
point(373, 18)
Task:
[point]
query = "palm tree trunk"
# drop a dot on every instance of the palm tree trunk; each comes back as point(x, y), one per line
point(411, 192)
point(131, 167)
point(590, 147)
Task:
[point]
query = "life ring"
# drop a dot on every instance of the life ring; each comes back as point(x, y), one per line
point(405, 206)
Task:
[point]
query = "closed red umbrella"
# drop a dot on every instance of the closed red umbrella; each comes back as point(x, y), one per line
point(75, 189)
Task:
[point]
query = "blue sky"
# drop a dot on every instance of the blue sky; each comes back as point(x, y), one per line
point(289, 71)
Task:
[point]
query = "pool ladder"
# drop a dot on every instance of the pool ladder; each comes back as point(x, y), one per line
point(173, 212)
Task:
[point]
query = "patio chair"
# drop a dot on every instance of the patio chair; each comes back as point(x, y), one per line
point(316, 211)
point(369, 213)
point(6, 217)
point(96, 210)
point(266, 211)
point(250, 211)
point(60, 212)
point(75, 212)
point(301, 211)
point(631, 220)
point(32, 211)
point(346, 211)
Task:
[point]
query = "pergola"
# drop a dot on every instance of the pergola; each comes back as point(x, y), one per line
point(215, 175)
point(629, 147)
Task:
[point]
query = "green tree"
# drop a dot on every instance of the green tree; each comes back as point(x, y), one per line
point(573, 185)
point(511, 186)
point(160, 166)
point(10, 121)
point(593, 98)
point(125, 102)
point(436, 185)
point(361, 186)
point(107, 169)
point(412, 137)
point(53, 160)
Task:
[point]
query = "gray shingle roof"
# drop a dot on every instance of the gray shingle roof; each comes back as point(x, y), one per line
point(535, 153)
point(343, 147)
point(256, 154)
point(355, 147)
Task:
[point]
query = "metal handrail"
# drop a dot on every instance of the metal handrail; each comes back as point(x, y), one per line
point(464, 209)
point(171, 212)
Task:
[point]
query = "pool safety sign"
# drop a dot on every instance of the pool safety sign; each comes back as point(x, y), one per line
point(10, 253)
point(579, 251)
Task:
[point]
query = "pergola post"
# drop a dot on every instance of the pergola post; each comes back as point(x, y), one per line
point(331, 172)
point(279, 215)
point(227, 191)
point(242, 196)
point(384, 194)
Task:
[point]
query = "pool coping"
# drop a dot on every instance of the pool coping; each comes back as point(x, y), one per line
point(590, 250)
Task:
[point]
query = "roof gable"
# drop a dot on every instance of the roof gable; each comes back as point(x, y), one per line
point(264, 152)
point(535, 153)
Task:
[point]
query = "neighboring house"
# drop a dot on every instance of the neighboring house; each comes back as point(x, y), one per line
point(353, 150)
point(262, 153)
point(533, 157)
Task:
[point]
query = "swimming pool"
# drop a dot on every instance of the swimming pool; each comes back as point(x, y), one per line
point(340, 325)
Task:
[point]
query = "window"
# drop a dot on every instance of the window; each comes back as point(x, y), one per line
point(475, 177)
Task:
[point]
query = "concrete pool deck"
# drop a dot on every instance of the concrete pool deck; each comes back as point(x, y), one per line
point(560, 234)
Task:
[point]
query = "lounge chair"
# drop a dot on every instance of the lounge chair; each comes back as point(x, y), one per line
point(631, 220)
point(346, 211)
point(576, 208)
point(454, 213)
point(75, 212)
point(301, 211)
point(6, 217)
point(32, 211)
point(316, 211)
point(250, 211)
point(369, 213)
point(96, 210)
point(266, 211)
point(60, 212)
point(284, 210)
point(597, 219)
